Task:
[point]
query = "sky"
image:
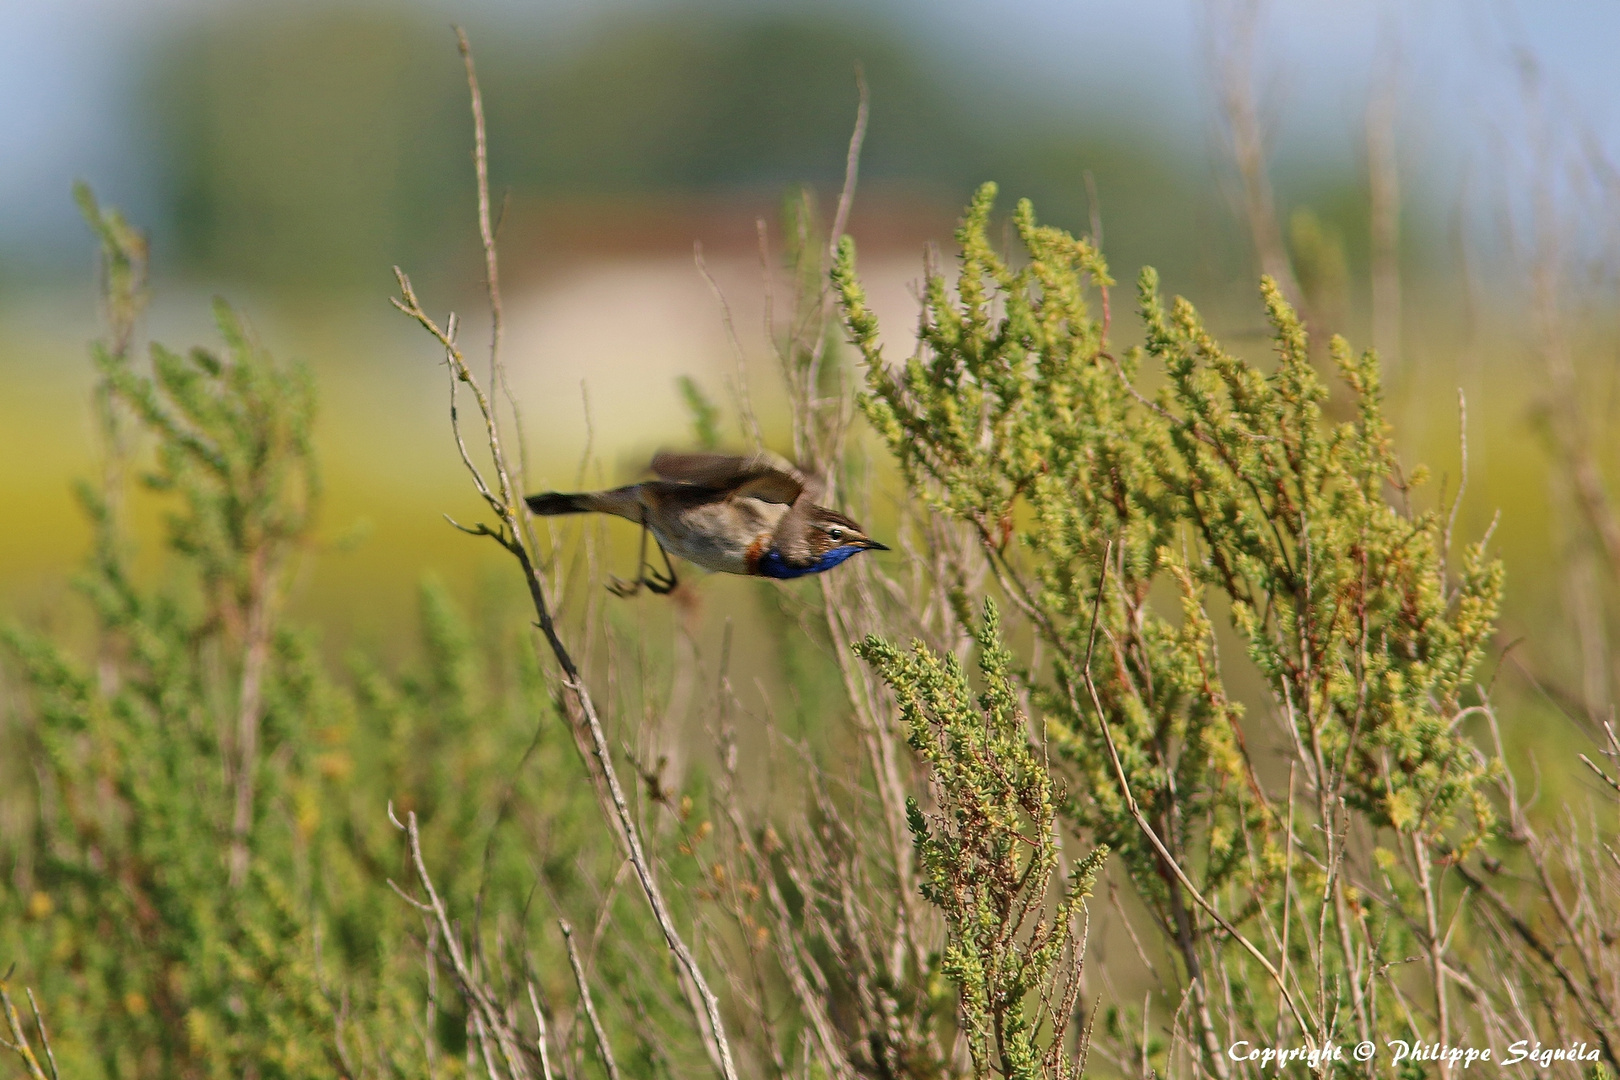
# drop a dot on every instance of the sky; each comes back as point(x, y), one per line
point(68, 68)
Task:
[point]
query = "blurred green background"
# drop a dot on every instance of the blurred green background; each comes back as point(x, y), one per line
point(286, 155)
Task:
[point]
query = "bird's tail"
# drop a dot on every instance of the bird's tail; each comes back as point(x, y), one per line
point(549, 503)
point(624, 501)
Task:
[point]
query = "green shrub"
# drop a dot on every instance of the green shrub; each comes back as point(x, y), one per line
point(201, 883)
point(205, 875)
point(1126, 527)
point(989, 855)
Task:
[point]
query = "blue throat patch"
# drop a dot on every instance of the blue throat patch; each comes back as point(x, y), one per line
point(772, 565)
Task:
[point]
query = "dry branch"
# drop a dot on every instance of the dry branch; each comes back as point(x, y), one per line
point(504, 498)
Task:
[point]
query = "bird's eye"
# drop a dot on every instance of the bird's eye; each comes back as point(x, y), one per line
point(835, 533)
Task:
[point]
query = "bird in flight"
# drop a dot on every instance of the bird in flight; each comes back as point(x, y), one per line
point(753, 515)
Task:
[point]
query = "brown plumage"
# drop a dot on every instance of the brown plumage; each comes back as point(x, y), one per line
point(736, 515)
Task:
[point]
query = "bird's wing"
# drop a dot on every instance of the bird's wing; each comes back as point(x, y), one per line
point(761, 476)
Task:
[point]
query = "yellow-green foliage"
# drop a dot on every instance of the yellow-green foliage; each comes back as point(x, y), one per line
point(989, 855)
point(165, 933)
point(1229, 489)
point(201, 878)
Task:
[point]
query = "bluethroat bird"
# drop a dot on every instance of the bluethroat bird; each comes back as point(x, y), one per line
point(736, 515)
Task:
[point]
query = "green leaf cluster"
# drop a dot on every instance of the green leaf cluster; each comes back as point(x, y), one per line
point(989, 856)
point(195, 829)
point(1145, 509)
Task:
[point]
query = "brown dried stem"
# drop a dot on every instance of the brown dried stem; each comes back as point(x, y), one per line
point(488, 1017)
point(503, 499)
point(1384, 209)
point(585, 1000)
point(1307, 1024)
point(1234, 59)
point(18, 1043)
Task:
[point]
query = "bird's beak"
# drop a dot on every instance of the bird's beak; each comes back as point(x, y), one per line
point(873, 545)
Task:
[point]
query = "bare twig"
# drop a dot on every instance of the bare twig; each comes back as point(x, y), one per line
point(18, 1043)
point(846, 199)
point(745, 402)
point(1601, 775)
point(255, 655)
point(485, 1009)
point(1094, 217)
point(585, 1000)
point(492, 273)
point(1462, 484)
point(543, 1032)
point(430, 1041)
point(44, 1035)
point(503, 498)
point(1234, 60)
point(486, 232)
point(1307, 1024)
point(1384, 209)
point(483, 1048)
point(852, 164)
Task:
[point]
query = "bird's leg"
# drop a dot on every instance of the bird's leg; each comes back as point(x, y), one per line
point(659, 584)
point(620, 587)
point(665, 583)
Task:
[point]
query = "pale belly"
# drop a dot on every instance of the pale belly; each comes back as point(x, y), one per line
point(718, 536)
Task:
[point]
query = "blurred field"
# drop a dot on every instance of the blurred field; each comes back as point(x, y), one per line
point(647, 165)
point(594, 359)
point(293, 155)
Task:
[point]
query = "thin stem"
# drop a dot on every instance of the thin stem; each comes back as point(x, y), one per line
point(511, 537)
point(492, 271)
point(846, 198)
point(1384, 202)
point(44, 1035)
point(18, 1043)
point(256, 656)
point(585, 1000)
point(542, 1032)
point(852, 164)
point(1235, 71)
point(1307, 1026)
point(484, 1007)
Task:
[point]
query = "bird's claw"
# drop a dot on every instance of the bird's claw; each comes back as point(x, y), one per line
point(659, 584)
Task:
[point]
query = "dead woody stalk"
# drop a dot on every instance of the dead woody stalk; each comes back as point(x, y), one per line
point(503, 496)
point(19, 1043)
point(489, 1019)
